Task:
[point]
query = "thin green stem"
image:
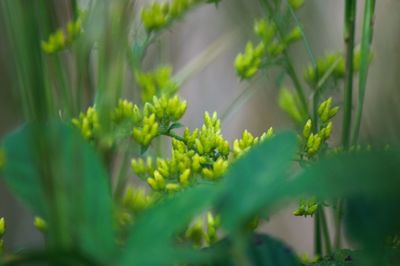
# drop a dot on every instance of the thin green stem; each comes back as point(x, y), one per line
point(174, 135)
point(366, 39)
point(349, 32)
point(296, 82)
point(317, 234)
point(289, 64)
point(325, 232)
point(338, 229)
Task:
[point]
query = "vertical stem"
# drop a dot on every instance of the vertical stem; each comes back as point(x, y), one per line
point(317, 234)
point(349, 30)
point(338, 231)
point(296, 82)
point(289, 65)
point(325, 232)
point(366, 39)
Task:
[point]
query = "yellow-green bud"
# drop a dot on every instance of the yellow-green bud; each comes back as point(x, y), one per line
point(276, 48)
point(294, 35)
point(172, 187)
point(155, 16)
point(313, 144)
point(184, 177)
point(40, 224)
point(296, 4)
point(288, 102)
point(248, 63)
point(2, 227)
point(138, 166)
point(307, 129)
point(265, 30)
point(195, 232)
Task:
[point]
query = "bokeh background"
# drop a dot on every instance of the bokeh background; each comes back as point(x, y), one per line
point(215, 87)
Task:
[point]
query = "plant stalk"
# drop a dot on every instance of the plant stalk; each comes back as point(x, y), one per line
point(349, 32)
point(366, 39)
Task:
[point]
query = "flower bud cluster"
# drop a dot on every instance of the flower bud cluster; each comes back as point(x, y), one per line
point(241, 146)
point(156, 83)
point(271, 46)
point(203, 232)
point(296, 4)
point(144, 125)
point(200, 154)
point(290, 103)
point(157, 16)
point(334, 61)
point(88, 123)
point(307, 207)
point(60, 40)
point(136, 200)
point(335, 64)
point(313, 141)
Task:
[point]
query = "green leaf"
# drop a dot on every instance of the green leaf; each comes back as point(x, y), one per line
point(255, 181)
point(152, 239)
point(341, 258)
point(261, 250)
point(58, 175)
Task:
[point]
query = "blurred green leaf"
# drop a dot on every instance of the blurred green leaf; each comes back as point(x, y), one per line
point(56, 172)
point(342, 257)
point(252, 182)
point(152, 240)
point(261, 250)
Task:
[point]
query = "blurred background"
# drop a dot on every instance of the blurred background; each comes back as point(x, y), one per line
point(216, 87)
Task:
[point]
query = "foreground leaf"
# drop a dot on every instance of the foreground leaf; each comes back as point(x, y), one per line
point(52, 169)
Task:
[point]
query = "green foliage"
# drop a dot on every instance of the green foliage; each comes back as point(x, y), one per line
point(204, 201)
point(59, 40)
point(76, 193)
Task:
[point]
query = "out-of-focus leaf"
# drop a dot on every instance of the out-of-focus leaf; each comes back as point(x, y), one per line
point(256, 180)
point(341, 258)
point(368, 182)
point(56, 172)
point(375, 174)
point(261, 250)
point(372, 222)
point(152, 240)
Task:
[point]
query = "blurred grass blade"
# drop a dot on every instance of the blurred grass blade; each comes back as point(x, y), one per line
point(199, 62)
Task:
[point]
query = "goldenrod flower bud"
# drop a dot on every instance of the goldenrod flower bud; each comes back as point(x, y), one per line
point(153, 183)
point(40, 224)
point(172, 187)
point(307, 129)
point(184, 177)
point(195, 232)
point(296, 4)
point(265, 30)
point(276, 48)
point(154, 17)
point(294, 35)
point(248, 63)
point(288, 102)
point(138, 167)
point(2, 227)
